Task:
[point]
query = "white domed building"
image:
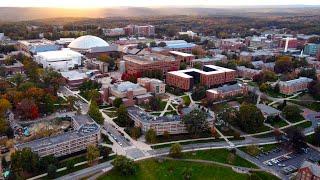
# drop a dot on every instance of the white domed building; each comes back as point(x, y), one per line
point(85, 43)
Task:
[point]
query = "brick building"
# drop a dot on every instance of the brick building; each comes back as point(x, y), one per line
point(146, 30)
point(150, 62)
point(152, 85)
point(210, 75)
point(295, 85)
point(247, 72)
point(227, 91)
point(308, 171)
point(171, 124)
point(182, 57)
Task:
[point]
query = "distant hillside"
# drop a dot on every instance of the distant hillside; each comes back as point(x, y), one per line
point(21, 14)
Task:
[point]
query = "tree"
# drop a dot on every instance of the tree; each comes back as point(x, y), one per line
point(124, 165)
point(162, 44)
point(264, 87)
point(253, 150)
point(70, 164)
point(250, 118)
point(316, 136)
point(283, 65)
point(52, 171)
point(95, 113)
point(141, 45)
point(5, 105)
point(197, 65)
point(27, 109)
point(175, 150)
point(123, 119)
point(231, 158)
point(18, 79)
point(117, 102)
point(308, 72)
point(153, 44)
point(135, 132)
point(166, 135)
point(92, 154)
point(47, 160)
point(196, 122)
point(296, 139)
point(198, 93)
point(104, 151)
point(183, 66)
point(24, 161)
point(291, 113)
point(314, 89)
point(151, 136)
point(155, 103)
point(198, 52)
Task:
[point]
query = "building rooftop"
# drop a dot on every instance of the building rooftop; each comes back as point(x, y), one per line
point(226, 88)
point(147, 58)
point(296, 81)
point(181, 54)
point(64, 53)
point(74, 75)
point(87, 126)
point(178, 44)
point(268, 110)
point(314, 168)
point(210, 69)
point(125, 86)
point(243, 68)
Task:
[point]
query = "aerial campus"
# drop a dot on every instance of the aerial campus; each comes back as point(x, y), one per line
point(194, 93)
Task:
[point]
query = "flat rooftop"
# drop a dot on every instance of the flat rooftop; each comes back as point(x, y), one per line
point(296, 81)
point(74, 75)
point(181, 54)
point(226, 88)
point(211, 69)
point(65, 53)
point(147, 58)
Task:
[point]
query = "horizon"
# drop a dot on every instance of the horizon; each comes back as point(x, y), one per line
point(96, 4)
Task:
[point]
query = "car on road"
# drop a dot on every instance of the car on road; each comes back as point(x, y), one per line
point(281, 165)
point(120, 143)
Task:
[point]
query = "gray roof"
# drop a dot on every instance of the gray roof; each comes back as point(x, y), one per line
point(314, 168)
point(87, 127)
point(296, 81)
point(267, 110)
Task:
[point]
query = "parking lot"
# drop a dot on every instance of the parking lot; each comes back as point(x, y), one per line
point(287, 162)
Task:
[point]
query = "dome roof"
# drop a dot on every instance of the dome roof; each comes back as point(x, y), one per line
point(87, 42)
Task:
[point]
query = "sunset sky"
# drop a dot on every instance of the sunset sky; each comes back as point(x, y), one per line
point(148, 3)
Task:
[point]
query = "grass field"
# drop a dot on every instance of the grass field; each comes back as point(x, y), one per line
point(169, 169)
point(186, 100)
point(278, 124)
point(218, 155)
point(304, 125)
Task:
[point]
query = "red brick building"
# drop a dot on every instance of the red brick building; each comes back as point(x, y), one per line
point(150, 62)
point(292, 43)
point(227, 91)
point(182, 57)
point(209, 76)
point(295, 85)
point(308, 171)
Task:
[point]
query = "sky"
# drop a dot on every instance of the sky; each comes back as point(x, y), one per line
point(148, 3)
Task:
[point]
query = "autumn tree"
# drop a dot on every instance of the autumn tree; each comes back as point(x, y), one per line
point(28, 109)
point(5, 105)
point(92, 154)
point(283, 65)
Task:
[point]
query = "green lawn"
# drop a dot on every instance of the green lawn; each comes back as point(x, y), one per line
point(188, 142)
point(263, 148)
point(186, 100)
point(218, 155)
point(279, 123)
point(111, 114)
point(304, 125)
point(169, 169)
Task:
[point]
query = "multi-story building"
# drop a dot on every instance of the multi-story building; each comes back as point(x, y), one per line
point(227, 91)
point(150, 62)
point(152, 85)
point(171, 124)
point(247, 72)
point(61, 60)
point(311, 49)
point(308, 171)
point(113, 32)
point(14, 68)
point(208, 60)
point(147, 30)
point(86, 131)
point(295, 85)
point(37, 45)
point(182, 57)
point(129, 92)
point(96, 64)
point(74, 78)
point(292, 43)
point(178, 45)
point(209, 76)
point(234, 44)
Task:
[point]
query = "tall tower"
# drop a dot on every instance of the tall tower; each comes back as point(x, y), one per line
point(286, 46)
